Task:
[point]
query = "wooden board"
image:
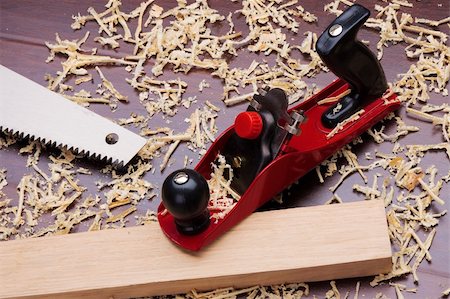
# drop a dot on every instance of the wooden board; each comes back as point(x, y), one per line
point(293, 245)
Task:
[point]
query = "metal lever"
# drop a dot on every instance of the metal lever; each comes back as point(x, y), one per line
point(294, 127)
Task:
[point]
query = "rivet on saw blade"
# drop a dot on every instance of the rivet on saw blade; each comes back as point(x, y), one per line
point(112, 138)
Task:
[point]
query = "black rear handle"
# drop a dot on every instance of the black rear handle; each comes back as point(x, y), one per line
point(351, 60)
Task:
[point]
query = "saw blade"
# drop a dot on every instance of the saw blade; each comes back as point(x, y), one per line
point(33, 111)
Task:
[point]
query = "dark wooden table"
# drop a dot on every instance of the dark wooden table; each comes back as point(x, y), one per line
point(25, 25)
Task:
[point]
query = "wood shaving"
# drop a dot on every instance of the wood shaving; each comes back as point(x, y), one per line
point(334, 292)
point(294, 290)
point(431, 22)
point(402, 130)
point(110, 87)
point(305, 15)
point(169, 153)
point(398, 292)
point(333, 7)
point(259, 14)
point(149, 217)
point(334, 98)
point(405, 221)
point(3, 182)
point(223, 197)
point(180, 39)
point(358, 285)
point(76, 60)
point(83, 79)
point(84, 98)
point(239, 99)
point(130, 186)
point(134, 119)
point(109, 41)
point(121, 216)
point(430, 191)
point(319, 174)
point(203, 84)
point(431, 70)
point(334, 199)
point(340, 126)
point(352, 160)
point(446, 292)
point(444, 121)
point(168, 93)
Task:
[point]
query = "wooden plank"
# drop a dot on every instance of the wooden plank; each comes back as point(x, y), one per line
point(293, 245)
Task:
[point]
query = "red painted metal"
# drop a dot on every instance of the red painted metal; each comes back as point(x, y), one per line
point(248, 125)
point(301, 154)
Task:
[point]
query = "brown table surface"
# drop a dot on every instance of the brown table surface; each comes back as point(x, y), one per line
point(26, 24)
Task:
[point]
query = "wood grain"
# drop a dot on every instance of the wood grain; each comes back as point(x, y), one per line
point(300, 244)
point(26, 24)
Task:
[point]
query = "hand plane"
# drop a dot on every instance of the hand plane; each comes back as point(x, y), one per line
point(275, 145)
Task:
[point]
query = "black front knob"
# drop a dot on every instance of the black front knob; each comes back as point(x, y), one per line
point(185, 194)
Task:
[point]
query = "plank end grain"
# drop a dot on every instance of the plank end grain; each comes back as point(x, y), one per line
point(282, 246)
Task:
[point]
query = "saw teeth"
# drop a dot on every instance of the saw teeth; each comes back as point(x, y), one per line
point(59, 119)
point(52, 143)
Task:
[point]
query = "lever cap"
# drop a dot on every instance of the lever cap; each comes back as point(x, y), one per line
point(248, 125)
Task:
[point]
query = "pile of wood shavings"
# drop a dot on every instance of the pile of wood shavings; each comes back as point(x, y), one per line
point(45, 192)
point(431, 71)
point(56, 192)
point(4, 204)
point(294, 291)
point(411, 216)
point(410, 211)
point(408, 190)
point(413, 213)
point(187, 43)
point(223, 197)
point(290, 291)
point(201, 131)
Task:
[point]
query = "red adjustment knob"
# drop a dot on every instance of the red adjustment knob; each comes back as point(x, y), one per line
point(248, 125)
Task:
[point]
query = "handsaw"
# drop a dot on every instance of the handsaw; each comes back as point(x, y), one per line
point(32, 111)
